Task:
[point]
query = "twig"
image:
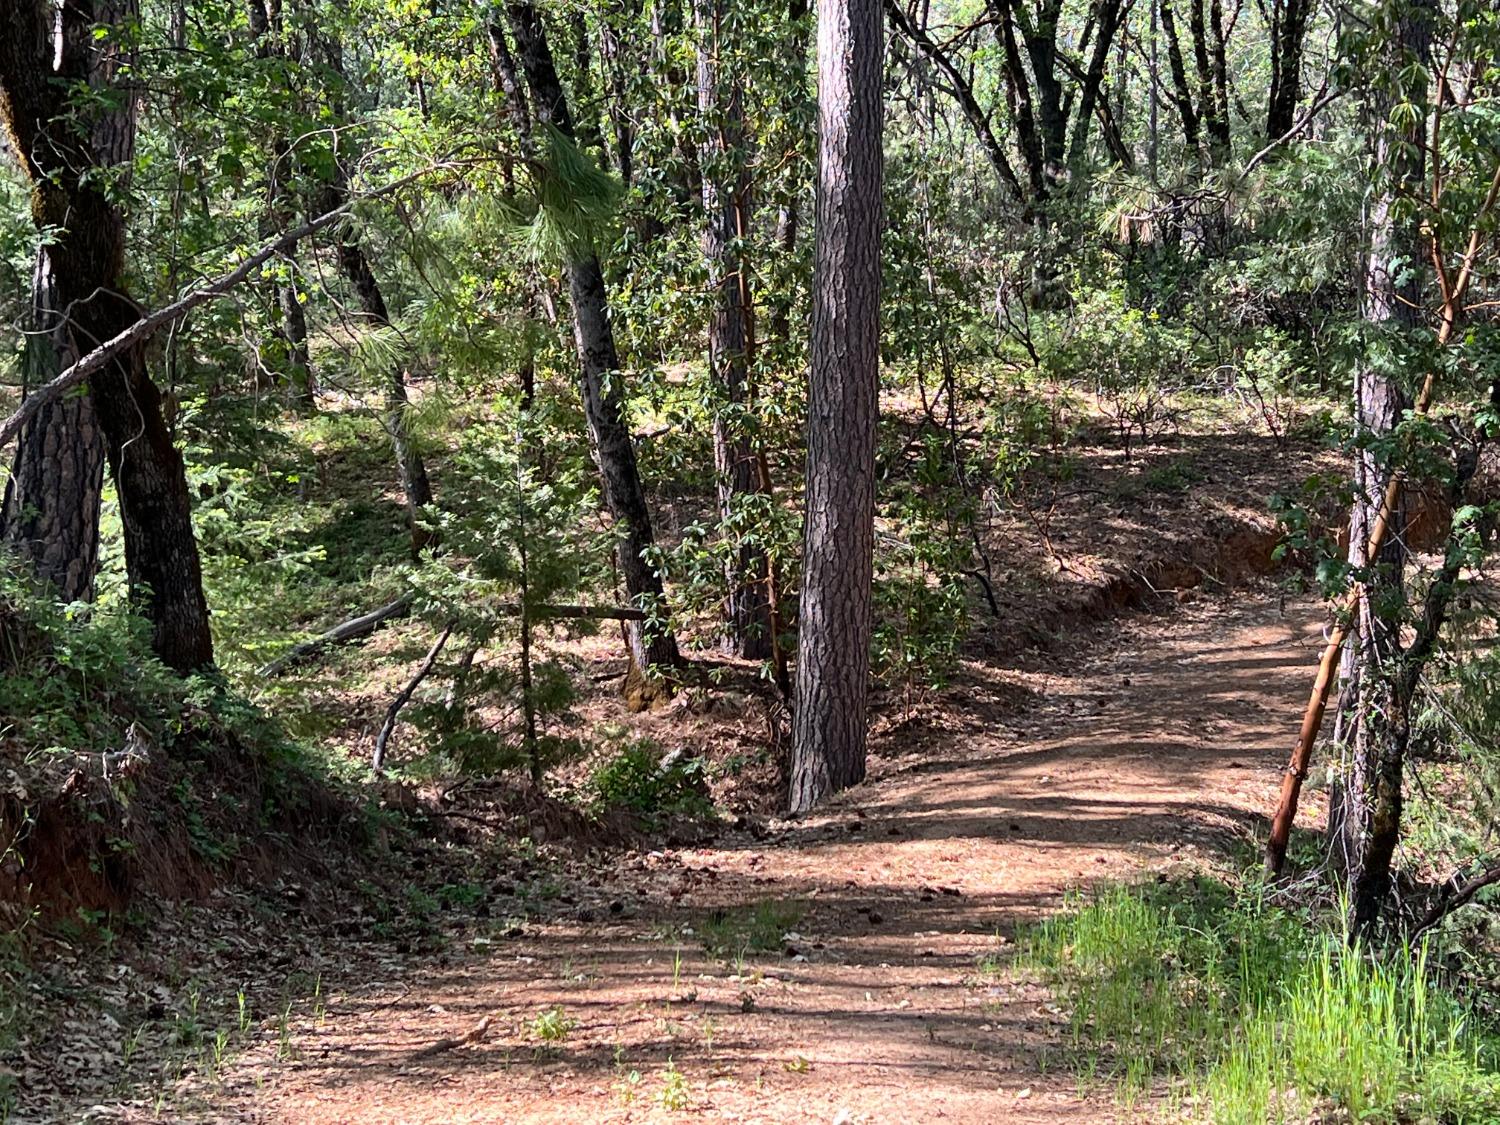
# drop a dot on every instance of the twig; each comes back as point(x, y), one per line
point(1450, 899)
point(377, 761)
point(476, 1033)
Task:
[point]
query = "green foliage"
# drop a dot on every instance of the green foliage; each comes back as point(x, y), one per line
point(673, 1094)
point(759, 928)
point(1131, 359)
point(518, 533)
point(925, 547)
point(652, 785)
point(76, 679)
point(1258, 1014)
point(553, 1025)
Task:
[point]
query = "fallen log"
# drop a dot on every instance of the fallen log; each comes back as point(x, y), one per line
point(357, 628)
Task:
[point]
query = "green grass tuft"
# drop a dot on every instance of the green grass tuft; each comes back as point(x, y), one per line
point(1255, 1015)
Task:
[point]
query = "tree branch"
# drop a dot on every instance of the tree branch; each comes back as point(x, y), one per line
point(144, 328)
point(1453, 895)
point(377, 760)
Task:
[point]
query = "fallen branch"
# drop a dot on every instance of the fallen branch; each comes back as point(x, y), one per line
point(1453, 895)
point(475, 1034)
point(356, 628)
point(377, 760)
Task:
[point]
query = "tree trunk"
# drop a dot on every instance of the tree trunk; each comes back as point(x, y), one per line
point(653, 649)
point(265, 32)
point(1288, 32)
point(829, 724)
point(410, 467)
point(43, 51)
point(731, 330)
point(1365, 817)
point(51, 512)
point(294, 330)
point(1181, 92)
point(354, 264)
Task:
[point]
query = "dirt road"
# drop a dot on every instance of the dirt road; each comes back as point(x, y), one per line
point(1164, 748)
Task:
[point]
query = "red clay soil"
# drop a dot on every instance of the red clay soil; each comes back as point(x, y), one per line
point(1156, 754)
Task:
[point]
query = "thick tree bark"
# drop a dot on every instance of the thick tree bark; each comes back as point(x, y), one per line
point(829, 724)
point(51, 512)
point(1288, 32)
point(731, 329)
point(1365, 818)
point(42, 51)
point(653, 649)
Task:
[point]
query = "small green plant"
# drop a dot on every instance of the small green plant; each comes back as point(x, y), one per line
point(285, 1047)
point(552, 1025)
point(761, 928)
point(673, 1094)
point(628, 1086)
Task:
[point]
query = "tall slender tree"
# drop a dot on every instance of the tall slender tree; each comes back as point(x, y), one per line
point(653, 648)
point(731, 328)
point(354, 264)
point(833, 662)
point(1373, 727)
point(271, 49)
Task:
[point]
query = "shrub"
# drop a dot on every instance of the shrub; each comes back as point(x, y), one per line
point(654, 786)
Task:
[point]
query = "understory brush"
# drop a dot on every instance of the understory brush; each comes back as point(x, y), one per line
point(651, 785)
point(118, 775)
point(1250, 1012)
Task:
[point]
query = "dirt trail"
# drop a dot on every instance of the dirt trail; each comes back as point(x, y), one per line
point(1166, 744)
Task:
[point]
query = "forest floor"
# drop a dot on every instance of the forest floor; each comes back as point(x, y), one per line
point(853, 970)
point(1123, 714)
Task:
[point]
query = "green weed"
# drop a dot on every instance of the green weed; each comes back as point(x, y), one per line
point(552, 1025)
point(1256, 1014)
point(753, 929)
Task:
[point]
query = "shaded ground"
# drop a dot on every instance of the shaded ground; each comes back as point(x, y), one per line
point(870, 1004)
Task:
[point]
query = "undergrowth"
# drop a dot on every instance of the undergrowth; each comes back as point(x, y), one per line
point(1250, 1013)
point(117, 774)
